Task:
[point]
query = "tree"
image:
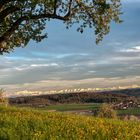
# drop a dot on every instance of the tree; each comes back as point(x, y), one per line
point(25, 20)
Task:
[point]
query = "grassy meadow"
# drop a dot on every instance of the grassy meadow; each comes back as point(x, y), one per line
point(31, 124)
point(91, 106)
point(72, 107)
point(130, 111)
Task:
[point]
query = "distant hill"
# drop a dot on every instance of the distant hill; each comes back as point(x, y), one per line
point(130, 92)
point(83, 97)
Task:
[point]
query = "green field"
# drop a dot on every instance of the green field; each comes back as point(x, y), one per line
point(31, 124)
point(74, 107)
point(71, 107)
point(130, 111)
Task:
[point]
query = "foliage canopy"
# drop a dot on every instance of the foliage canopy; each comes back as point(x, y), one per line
point(25, 20)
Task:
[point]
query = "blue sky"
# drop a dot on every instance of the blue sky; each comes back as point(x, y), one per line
point(68, 59)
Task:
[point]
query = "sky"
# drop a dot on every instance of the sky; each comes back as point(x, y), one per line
point(68, 59)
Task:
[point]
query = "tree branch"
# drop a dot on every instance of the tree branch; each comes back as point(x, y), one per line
point(15, 25)
point(69, 8)
point(3, 2)
point(55, 7)
point(7, 11)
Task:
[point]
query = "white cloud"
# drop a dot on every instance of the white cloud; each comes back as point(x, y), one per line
point(21, 68)
point(91, 71)
point(133, 49)
point(44, 65)
point(137, 47)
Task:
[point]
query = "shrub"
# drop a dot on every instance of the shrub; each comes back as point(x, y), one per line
point(131, 118)
point(3, 100)
point(106, 111)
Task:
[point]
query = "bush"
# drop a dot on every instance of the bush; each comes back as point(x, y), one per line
point(131, 118)
point(3, 100)
point(106, 111)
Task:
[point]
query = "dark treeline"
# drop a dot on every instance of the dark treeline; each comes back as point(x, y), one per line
point(83, 97)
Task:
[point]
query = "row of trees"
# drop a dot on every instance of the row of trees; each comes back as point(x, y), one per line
point(85, 97)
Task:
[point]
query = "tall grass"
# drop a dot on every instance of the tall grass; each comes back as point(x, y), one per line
point(29, 124)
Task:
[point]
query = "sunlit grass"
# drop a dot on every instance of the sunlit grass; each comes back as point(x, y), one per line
point(30, 124)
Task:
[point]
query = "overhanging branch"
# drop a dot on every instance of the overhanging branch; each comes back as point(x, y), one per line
point(15, 25)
